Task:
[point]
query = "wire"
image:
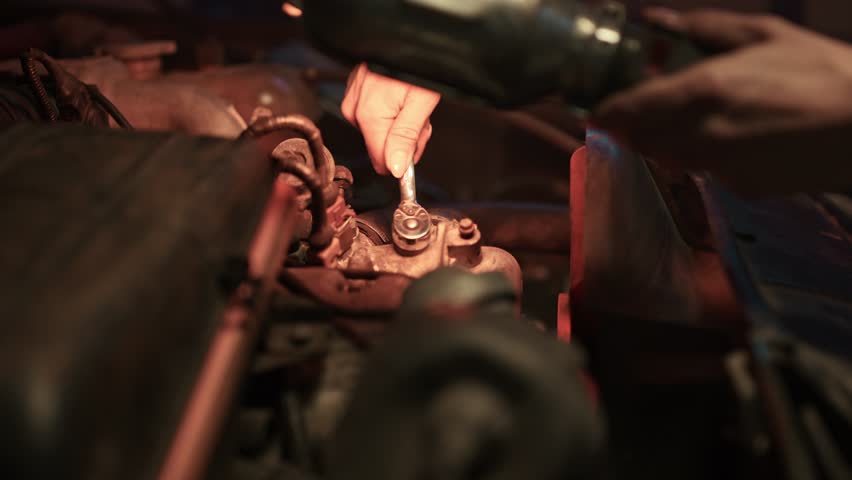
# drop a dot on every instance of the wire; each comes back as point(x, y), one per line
point(28, 66)
point(110, 108)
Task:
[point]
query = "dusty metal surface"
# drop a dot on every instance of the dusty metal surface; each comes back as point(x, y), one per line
point(215, 103)
point(281, 89)
point(158, 104)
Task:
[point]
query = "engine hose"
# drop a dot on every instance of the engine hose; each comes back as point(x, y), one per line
point(321, 232)
point(304, 126)
point(28, 66)
point(109, 107)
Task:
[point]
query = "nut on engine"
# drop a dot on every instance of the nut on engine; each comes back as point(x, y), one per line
point(412, 228)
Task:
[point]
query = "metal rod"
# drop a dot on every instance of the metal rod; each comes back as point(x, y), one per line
point(407, 186)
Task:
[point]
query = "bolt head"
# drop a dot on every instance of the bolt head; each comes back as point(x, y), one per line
point(467, 228)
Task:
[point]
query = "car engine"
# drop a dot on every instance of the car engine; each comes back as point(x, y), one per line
point(205, 278)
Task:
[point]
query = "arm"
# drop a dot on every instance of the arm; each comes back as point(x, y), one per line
point(771, 115)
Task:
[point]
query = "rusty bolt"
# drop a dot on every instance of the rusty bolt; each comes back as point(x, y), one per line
point(467, 228)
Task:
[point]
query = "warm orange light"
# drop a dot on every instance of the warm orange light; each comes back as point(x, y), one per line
point(291, 9)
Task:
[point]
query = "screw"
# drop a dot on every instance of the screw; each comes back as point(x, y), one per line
point(467, 228)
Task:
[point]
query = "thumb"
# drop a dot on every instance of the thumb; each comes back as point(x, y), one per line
point(716, 29)
point(403, 136)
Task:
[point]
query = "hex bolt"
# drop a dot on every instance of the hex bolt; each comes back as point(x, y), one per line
point(467, 228)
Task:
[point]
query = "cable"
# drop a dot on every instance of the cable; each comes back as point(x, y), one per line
point(110, 108)
point(28, 66)
point(321, 233)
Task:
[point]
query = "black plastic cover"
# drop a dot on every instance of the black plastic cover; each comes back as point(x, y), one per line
point(111, 245)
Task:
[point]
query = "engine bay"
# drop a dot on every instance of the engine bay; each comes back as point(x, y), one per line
point(205, 278)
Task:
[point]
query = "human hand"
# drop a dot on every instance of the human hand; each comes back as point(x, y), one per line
point(773, 114)
point(393, 116)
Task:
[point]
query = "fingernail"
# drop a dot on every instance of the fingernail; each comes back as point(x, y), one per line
point(399, 162)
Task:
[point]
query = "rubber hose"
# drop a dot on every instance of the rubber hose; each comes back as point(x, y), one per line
point(305, 127)
point(321, 232)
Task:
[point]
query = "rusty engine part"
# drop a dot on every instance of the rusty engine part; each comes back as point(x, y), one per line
point(334, 235)
point(312, 166)
point(452, 242)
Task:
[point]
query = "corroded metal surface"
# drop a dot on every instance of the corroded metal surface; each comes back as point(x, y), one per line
point(450, 245)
